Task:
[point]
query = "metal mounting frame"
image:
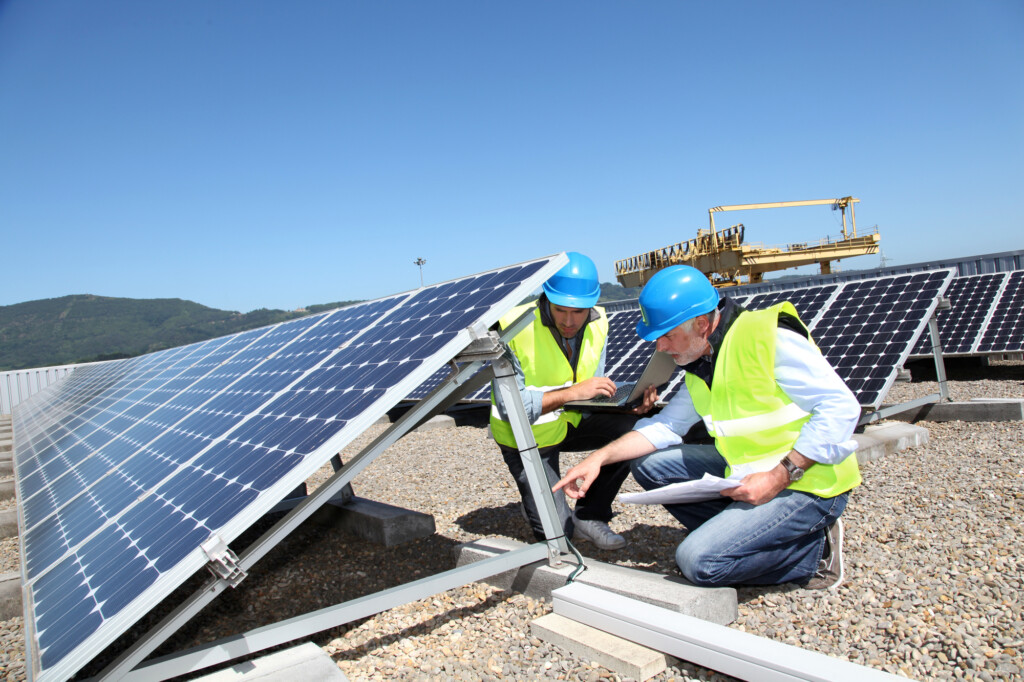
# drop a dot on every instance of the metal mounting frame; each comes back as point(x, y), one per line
point(486, 348)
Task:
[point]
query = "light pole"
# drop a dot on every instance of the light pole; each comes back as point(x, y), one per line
point(420, 262)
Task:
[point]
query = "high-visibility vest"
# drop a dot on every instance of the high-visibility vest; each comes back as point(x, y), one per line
point(546, 368)
point(746, 412)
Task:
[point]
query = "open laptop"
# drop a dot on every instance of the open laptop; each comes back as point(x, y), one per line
point(657, 372)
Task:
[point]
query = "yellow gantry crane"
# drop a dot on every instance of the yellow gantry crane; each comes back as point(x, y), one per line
point(727, 261)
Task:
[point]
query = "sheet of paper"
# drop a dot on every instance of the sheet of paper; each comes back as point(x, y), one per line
point(707, 488)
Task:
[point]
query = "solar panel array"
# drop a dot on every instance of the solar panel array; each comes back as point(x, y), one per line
point(124, 470)
point(986, 315)
point(865, 328)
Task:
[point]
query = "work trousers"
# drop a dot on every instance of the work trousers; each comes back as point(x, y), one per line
point(594, 431)
point(731, 543)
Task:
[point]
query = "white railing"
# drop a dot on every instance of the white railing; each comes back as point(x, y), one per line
point(20, 384)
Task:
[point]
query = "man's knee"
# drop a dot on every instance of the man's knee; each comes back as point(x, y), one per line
point(699, 566)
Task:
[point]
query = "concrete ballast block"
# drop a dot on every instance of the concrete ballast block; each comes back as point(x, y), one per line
point(10, 596)
point(383, 523)
point(306, 662)
point(621, 656)
point(537, 580)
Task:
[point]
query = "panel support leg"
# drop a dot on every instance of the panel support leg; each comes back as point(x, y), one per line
point(505, 384)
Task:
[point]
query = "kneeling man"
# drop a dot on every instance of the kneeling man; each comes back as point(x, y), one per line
point(765, 393)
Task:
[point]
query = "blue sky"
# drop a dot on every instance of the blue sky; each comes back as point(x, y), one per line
point(278, 154)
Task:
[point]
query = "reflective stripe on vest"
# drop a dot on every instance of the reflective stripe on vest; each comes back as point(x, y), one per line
point(745, 426)
point(749, 415)
point(546, 368)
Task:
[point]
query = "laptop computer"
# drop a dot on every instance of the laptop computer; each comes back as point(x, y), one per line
point(657, 372)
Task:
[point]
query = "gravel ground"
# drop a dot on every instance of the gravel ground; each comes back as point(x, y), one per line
point(933, 588)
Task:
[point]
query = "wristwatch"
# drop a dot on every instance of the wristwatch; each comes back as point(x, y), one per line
point(795, 472)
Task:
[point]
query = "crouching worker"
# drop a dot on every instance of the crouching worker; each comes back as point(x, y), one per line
point(559, 358)
point(765, 394)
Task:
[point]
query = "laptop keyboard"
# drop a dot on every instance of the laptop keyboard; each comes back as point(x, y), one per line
point(621, 393)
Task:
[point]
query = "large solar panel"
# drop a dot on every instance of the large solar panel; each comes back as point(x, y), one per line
point(972, 300)
point(126, 469)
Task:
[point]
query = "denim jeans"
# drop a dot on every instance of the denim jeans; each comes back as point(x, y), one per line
point(594, 431)
point(732, 543)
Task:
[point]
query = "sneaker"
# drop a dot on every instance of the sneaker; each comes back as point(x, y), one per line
point(830, 569)
point(598, 533)
point(522, 511)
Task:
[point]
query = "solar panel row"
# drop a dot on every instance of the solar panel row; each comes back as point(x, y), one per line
point(865, 328)
point(986, 315)
point(124, 470)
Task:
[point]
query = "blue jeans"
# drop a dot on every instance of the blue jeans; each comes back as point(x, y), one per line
point(732, 543)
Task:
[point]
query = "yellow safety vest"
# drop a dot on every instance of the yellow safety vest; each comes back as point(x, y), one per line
point(546, 368)
point(746, 412)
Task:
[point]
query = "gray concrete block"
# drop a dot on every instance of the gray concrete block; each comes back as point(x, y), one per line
point(10, 596)
point(381, 523)
point(6, 467)
point(977, 410)
point(440, 421)
point(537, 580)
point(621, 656)
point(887, 439)
point(7, 490)
point(8, 523)
point(306, 662)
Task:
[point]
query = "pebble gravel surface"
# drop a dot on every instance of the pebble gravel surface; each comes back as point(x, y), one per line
point(933, 548)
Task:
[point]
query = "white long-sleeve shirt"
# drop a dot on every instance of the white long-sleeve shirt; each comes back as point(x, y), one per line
point(805, 376)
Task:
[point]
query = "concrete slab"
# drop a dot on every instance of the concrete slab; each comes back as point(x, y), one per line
point(440, 421)
point(7, 491)
point(621, 656)
point(977, 410)
point(6, 467)
point(381, 523)
point(10, 596)
point(715, 604)
point(880, 440)
point(8, 523)
point(306, 662)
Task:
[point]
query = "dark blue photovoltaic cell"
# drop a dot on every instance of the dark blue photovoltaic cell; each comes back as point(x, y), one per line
point(1005, 330)
point(126, 468)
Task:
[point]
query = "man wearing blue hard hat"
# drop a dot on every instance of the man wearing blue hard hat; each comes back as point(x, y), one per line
point(772, 403)
point(558, 359)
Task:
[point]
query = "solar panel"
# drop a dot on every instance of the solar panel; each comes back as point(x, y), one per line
point(972, 300)
point(1005, 330)
point(871, 325)
point(125, 470)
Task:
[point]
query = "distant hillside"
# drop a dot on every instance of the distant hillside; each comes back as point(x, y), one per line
point(85, 328)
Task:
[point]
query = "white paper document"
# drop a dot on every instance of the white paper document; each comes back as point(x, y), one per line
point(707, 488)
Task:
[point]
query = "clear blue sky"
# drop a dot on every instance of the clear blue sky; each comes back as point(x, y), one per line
point(247, 154)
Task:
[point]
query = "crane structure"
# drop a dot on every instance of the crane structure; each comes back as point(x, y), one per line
point(727, 261)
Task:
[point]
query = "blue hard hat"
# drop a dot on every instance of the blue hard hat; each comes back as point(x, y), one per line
point(671, 297)
point(575, 285)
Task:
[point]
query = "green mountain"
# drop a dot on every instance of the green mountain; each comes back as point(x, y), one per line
point(85, 328)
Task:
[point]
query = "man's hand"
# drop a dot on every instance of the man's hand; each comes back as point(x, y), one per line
point(650, 398)
point(591, 388)
point(759, 488)
point(578, 479)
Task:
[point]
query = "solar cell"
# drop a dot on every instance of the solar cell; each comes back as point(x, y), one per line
point(126, 469)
